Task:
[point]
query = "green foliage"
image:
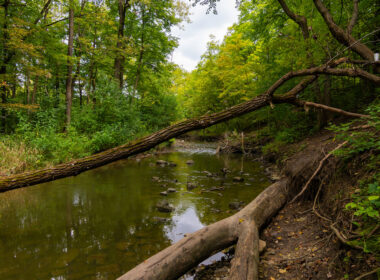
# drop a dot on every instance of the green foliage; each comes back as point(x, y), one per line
point(361, 140)
point(365, 204)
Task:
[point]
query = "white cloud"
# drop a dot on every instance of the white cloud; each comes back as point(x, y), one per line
point(193, 39)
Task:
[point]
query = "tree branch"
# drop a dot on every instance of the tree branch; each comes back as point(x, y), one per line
point(306, 104)
point(326, 69)
point(77, 166)
point(342, 36)
point(300, 20)
point(42, 12)
point(354, 17)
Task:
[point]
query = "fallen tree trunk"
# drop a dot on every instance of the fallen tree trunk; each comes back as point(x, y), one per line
point(146, 143)
point(241, 228)
point(176, 260)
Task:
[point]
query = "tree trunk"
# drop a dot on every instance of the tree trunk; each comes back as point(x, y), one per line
point(57, 91)
point(35, 87)
point(14, 86)
point(69, 79)
point(27, 85)
point(5, 57)
point(92, 75)
point(77, 76)
point(341, 35)
point(325, 99)
point(176, 260)
point(141, 53)
point(141, 145)
point(80, 93)
point(119, 59)
point(241, 228)
point(3, 96)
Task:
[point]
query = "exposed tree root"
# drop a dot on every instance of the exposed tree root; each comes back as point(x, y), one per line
point(317, 170)
point(343, 239)
point(363, 276)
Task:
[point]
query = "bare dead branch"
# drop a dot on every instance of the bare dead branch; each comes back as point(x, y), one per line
point(330, 109)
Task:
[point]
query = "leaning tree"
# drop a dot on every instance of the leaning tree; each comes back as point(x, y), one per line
point(241, 228)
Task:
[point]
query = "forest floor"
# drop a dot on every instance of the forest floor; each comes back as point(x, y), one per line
point(299, 244)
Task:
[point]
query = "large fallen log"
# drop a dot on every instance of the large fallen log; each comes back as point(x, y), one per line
point(146, 143)
point(241, 228)
point(176, 260)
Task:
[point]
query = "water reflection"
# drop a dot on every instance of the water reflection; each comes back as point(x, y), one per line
point(103, 222)
point(186, 222)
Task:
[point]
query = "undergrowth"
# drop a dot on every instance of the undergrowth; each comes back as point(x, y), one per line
point(365, 201)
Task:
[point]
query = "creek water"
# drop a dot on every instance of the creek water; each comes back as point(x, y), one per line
point(103, 222)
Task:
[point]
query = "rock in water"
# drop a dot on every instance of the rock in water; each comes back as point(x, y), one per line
point(171, 164)
point(164, 193)
point(238, 179)
point(161, 220)
point(190, 162)
point(156, 179)
point(225, 170)
point(208, 173)
point(213, 189)
point(236, 205)
point(191, 186)
point(164, 206)
point(161, 162)
point(171, 190)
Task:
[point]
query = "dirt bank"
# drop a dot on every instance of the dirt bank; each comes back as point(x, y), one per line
point(300, 242)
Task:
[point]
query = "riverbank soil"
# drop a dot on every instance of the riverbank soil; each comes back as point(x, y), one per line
point(300, 243)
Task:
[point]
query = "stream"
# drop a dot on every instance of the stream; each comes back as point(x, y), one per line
point(103, 222)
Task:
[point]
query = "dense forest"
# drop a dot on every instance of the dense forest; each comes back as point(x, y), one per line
point(87, 82)
point(79, 77)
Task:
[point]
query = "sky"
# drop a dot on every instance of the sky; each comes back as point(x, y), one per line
point(195, 35)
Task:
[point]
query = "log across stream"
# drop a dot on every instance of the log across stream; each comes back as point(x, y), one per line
point(103, 222)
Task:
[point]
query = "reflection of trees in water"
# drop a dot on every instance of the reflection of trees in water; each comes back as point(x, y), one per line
point(71, 226)
point(101, 221)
